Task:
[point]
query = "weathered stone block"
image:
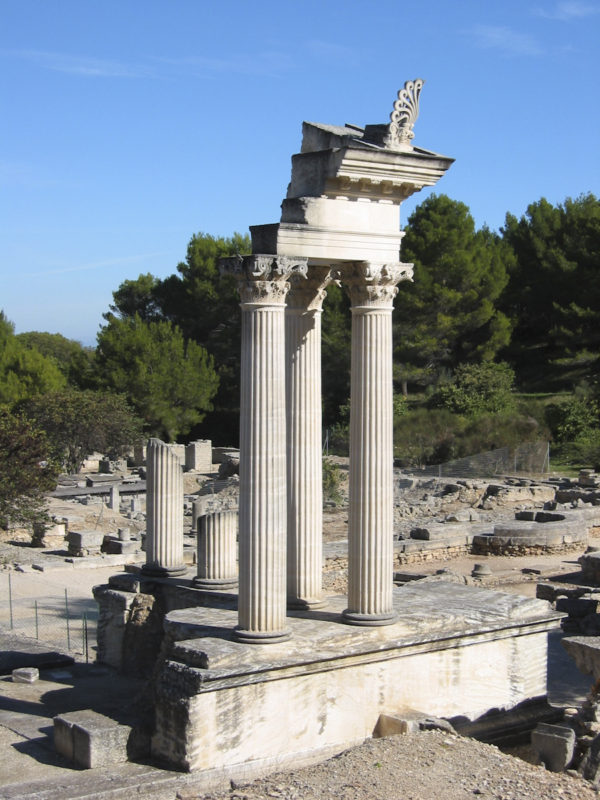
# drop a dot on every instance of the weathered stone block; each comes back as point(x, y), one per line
point(84, 543)
point(577, 606)
point(91, 739)
point(25, 675)
point(52, 536)
point(554, 745)
point(125, 582)
point(198, 456)
point(397, 724)
point(586, 652)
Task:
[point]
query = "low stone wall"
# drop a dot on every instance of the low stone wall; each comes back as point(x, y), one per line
point(536, 532)
point(417, 553)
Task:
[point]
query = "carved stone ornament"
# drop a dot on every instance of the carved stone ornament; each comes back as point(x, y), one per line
point(263, 279)
point(404, 116)
point(307, 292)
point(372, 285)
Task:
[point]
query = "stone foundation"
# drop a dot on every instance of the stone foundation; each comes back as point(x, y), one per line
point(456, 650)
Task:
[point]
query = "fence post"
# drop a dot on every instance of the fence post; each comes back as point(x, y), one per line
point(10, 604)
point(67, 613)
point(37, 629)
point(85, 636)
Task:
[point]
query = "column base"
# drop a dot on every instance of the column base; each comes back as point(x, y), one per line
point(260, 637)
point(214, 583)
point(368, 620)
point(300, 604)
point(163, 572)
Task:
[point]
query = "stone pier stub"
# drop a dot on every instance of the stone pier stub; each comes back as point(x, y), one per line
point(164, 510)
point(217, 550)
point(263, 286)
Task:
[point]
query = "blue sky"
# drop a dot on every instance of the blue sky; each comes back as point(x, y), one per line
point(129, 125)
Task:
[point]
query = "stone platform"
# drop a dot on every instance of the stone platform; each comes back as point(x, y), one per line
point(455, 651)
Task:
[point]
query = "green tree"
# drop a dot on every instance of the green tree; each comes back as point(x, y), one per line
point(77, 423)
point(139, 296)
point(24, 373)
point(449, 313)
point(75, 361)
point(169, 382)
point(27, 469)
point(478, 389)
point(553, 296)
point(204, 305)
point(335, 354)
point(201, 301)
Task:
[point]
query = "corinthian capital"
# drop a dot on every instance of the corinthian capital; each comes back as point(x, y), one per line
point(372, 285)
point(262, 279)
point(307, 292)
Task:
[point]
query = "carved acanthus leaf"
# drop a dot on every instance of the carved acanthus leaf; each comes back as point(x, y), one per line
point(404, 116)
point(262, 267)
point(375, 285)
point(263, 279)
point(308, 291)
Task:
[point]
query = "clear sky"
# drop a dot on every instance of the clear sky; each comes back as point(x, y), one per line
point(128, 125)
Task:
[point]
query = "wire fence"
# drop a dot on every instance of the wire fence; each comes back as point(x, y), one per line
point(532, 458)
point(64, 623)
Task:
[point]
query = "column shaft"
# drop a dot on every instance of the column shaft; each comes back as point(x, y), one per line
point(370, 521)
point(262, 541)
point(164, 510)
point(262, 606)
point(304, 461)
point(370, 518)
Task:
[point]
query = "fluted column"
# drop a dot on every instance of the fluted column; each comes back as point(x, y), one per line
point(262, 541)
point(217, 562)
point(304, 461)
point(164, 510)
point(372, 289)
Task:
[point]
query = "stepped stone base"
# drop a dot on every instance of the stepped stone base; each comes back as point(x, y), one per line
point(455, 651)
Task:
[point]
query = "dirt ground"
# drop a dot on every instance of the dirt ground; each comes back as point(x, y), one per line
point(419, 766)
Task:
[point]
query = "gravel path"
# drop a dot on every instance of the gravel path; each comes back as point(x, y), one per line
point(431, 765)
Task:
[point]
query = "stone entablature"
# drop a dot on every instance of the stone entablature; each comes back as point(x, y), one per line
point(346, 188)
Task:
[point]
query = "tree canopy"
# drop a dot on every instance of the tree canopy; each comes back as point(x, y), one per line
point(553, 296)
point(73, 359)
point(24, 373)
point(27, 470)
point(204, 305)
point(168, 382)
point(449, 314)
point(77, 423)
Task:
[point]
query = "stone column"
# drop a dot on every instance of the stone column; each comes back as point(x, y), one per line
point(164, 510)
point(262, 541)
point(304, 462)
point(217, 562)
point(372, 289)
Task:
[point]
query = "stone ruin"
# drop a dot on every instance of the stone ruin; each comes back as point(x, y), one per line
point(221, 696)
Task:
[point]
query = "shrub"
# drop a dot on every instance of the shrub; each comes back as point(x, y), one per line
point(332, 482)
point(477, 389)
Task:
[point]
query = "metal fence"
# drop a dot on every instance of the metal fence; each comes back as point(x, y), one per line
point(64, 623)
point(531, 458)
